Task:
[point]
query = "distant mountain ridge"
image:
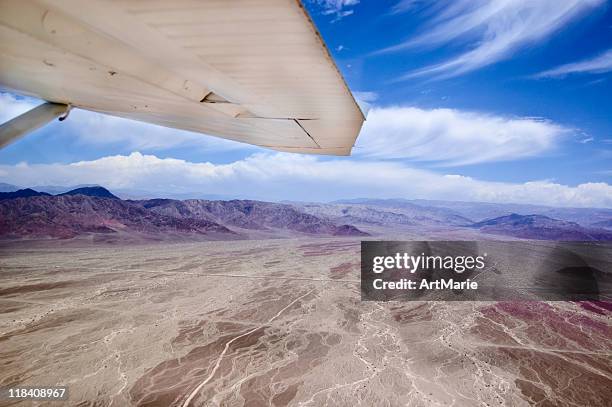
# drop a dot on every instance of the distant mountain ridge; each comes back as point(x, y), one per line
point(383, 212)
point(95, 210)
point(27, 213)
point(540, 227)
point(401, 212)
point(4, 187)
point(252, 215)
point(479, 211)
point(94, 190)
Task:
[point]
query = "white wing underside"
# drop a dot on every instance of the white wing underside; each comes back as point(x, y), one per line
point(254, 71)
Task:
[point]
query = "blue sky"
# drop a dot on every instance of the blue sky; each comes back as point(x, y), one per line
point(504, 101)
point(579, 101)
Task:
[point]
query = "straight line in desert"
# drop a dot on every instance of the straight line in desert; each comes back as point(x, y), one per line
point(197, 274)
point(227, 345)
point(537, 349)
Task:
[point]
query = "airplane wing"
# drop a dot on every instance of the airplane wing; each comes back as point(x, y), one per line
point(253, 71)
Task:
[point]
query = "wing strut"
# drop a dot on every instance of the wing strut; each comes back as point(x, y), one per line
point(30, 121)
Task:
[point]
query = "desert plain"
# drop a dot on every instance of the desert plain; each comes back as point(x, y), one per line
point(278, 322)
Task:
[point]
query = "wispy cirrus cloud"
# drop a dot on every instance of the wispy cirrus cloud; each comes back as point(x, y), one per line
point(492, 30)
point(278, 176)
point(451, 137)
point(338, 8)
point(601, 63)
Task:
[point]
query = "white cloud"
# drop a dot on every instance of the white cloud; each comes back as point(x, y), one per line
point(453, 137)
point(496, 28)
point(296, 177)
point(366, 96)
point(599, 64)
point(12, 106)
point(405, 5)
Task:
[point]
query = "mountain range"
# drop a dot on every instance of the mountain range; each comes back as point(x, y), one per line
point(406, 213)
point(93, 210)
point(540, 227)
point(479, 211)
point(487, 218)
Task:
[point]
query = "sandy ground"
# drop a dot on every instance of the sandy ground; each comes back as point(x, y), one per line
point(274, 323)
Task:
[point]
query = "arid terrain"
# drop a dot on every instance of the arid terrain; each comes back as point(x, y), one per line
point(278, 322)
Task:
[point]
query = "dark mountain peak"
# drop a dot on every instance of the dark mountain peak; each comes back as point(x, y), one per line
point(22, 193)
point(95, 191)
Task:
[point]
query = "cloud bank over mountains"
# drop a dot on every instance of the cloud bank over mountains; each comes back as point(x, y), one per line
point(392, 138)
point(279, 176)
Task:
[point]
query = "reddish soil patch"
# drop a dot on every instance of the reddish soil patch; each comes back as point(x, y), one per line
point(311, 349)
point(419, 313)
point(552, 327)
point(590, 307)
point(491, 332)
point(343, 269)
point(570, 382)
point(170, 381)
